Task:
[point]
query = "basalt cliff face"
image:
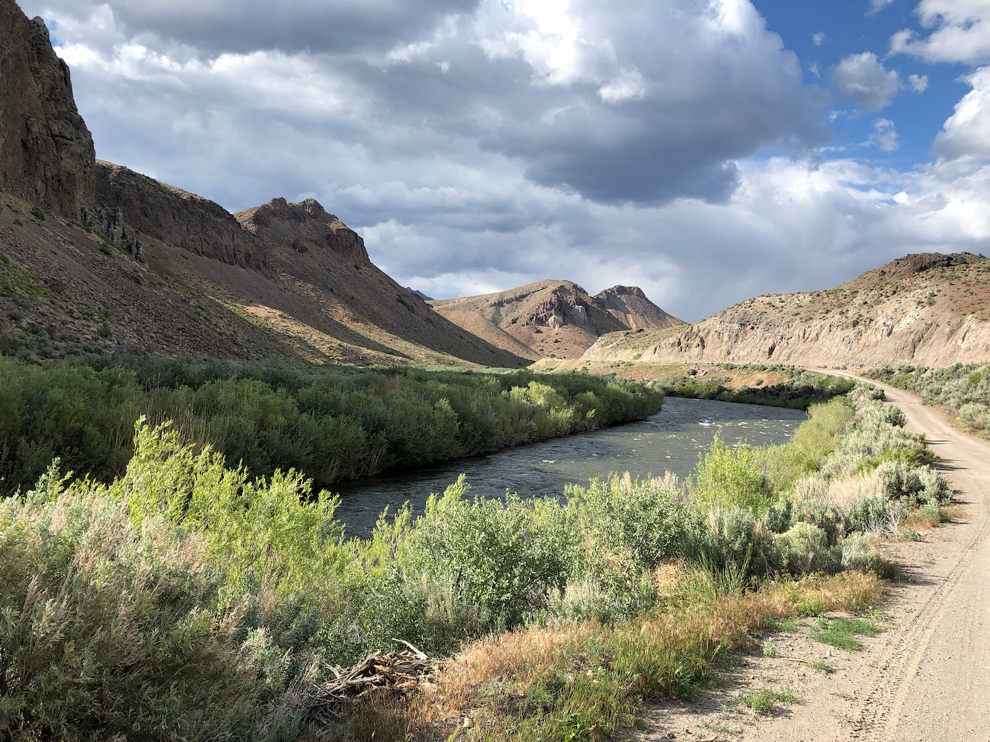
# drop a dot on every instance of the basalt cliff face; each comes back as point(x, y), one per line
point(929, 309)
point(175, 217)
point(96, 258)
point(552, 319)
point(46, 152)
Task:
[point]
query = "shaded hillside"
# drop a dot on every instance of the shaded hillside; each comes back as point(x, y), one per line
point(98, 258)
point(552, 319)
point(929, 309)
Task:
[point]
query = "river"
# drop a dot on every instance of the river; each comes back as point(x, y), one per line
point(668, 441)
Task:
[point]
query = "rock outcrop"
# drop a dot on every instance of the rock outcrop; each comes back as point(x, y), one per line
point(929, 309)
point(46, 152)
point(631, 307)
point(177, 218)
point(109, 222)
point(306, 226)
point(546, 319)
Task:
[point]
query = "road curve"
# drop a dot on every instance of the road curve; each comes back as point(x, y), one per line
point(931, 679)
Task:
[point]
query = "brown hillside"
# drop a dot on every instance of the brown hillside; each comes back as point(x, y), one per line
point(553, 319)
point(928, 309)
point(96, 258)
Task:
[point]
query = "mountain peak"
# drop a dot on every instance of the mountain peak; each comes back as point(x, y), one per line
point(631, 306)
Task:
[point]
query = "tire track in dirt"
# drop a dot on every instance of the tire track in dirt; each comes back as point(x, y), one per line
point(884, 714)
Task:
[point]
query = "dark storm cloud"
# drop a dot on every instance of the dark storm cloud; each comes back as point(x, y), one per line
point(479, 146)
point(633, 101)
point(243, 26)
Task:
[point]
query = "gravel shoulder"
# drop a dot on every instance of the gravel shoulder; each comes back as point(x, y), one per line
point(925, 676)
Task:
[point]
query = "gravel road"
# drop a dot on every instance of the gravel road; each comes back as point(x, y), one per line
point(931, 679)
point(924, 678)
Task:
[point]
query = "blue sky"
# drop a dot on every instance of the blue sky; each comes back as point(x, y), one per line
point(850, 28)
point(704, 150)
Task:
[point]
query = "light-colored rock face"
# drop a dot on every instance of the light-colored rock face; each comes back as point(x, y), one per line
point(46, 152)
point(930, 310)
point(630, 305)
point(544, 319)
point(553, 319)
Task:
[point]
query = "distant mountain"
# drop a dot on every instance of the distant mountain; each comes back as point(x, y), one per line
point(631, 307)
point(552, 319)
point(930, 309)
point(97, 258)
point(420, 294)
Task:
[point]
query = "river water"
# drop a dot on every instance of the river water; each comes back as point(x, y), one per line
point(669, 441)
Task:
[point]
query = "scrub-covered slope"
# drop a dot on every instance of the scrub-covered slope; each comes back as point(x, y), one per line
point(929, 309)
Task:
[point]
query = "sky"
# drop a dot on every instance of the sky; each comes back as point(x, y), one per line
point(704, 150)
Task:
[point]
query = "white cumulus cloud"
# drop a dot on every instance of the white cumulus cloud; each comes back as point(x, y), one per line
point(965, 138)
point(863, 79)
point(960, 32)
point(918, 83)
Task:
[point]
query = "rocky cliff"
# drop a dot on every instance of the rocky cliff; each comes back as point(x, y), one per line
point(46, 152)
point(632, 308)
point(304, 226)
point(181, 219)
point(929, 309)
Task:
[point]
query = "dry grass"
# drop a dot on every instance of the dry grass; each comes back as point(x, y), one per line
point(586, 681)
point(841, 492)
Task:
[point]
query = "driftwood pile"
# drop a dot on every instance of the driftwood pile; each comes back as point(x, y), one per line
point(394, 673)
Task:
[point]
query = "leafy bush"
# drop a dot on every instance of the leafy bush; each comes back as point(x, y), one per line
point(116, 630)
point(504, 556)
point(731, 478)
point(804, 549)
point(331, 424)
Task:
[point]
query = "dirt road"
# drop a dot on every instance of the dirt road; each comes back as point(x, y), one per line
point(925, 678)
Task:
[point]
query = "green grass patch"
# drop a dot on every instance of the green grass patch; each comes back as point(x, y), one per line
point(842, 632)
point(765, 700)
point(824, 667)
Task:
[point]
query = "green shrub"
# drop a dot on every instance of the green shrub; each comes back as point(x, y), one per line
point(731, 478)
point(805, 549)
point(116, 630)
point(503, 556)
point(331, 424)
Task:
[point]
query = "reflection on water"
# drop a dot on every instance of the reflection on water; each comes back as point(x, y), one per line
point(668, 441)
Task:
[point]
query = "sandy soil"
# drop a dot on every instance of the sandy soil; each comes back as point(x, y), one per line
point(925, 677)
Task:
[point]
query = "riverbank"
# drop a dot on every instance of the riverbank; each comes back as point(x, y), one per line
point(774, 385)
point(252, 583)
point(921, 674)
point(330, 423)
